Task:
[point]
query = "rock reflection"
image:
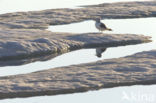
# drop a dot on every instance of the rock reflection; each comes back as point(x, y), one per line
point(16, 62)
point(99, 51)
point(31, 59)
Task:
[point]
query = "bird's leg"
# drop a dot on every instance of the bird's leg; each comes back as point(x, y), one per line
point(101, 31)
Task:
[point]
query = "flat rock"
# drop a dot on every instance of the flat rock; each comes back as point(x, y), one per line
point(21, 43)
point(42, 19)
point(136, 69)
point(24, 34)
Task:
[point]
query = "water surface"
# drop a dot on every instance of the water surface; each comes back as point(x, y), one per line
point(131, 94)
point(135, 94)
point(144, 26)
point(7, 6)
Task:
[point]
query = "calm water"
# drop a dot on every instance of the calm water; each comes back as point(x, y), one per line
point(88, 55)
point(132, 94)
point(7, 6)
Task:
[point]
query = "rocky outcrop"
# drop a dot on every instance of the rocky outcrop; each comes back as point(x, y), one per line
point(131, 70)
point(21, 43)
point(42, 19)
point(22, 32)
point(22, 36)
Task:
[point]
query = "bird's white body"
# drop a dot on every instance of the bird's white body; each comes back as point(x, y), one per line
point(101, 26)
point(97, 25)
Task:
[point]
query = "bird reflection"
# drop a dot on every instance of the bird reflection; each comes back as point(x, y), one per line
point(99, 51)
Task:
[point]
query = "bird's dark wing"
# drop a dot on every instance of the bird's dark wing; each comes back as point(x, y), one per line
point(102, 25)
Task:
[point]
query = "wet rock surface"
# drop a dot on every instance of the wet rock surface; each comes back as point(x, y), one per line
point(21, 43)
point(42, 19)
point(23, 35)
point(131, 70)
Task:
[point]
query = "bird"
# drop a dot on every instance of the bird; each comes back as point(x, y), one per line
point(99, 51)
point(101, 26)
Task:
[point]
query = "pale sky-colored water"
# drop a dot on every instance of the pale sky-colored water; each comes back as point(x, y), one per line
point(31, 5)
point(144, 26)
point(136, 94)
point(131, 94)
point(128, 94)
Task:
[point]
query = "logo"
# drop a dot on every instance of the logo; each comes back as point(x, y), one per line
point(139, 97)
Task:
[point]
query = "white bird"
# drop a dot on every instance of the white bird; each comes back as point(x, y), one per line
point(99, 51)
point(101, 26)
